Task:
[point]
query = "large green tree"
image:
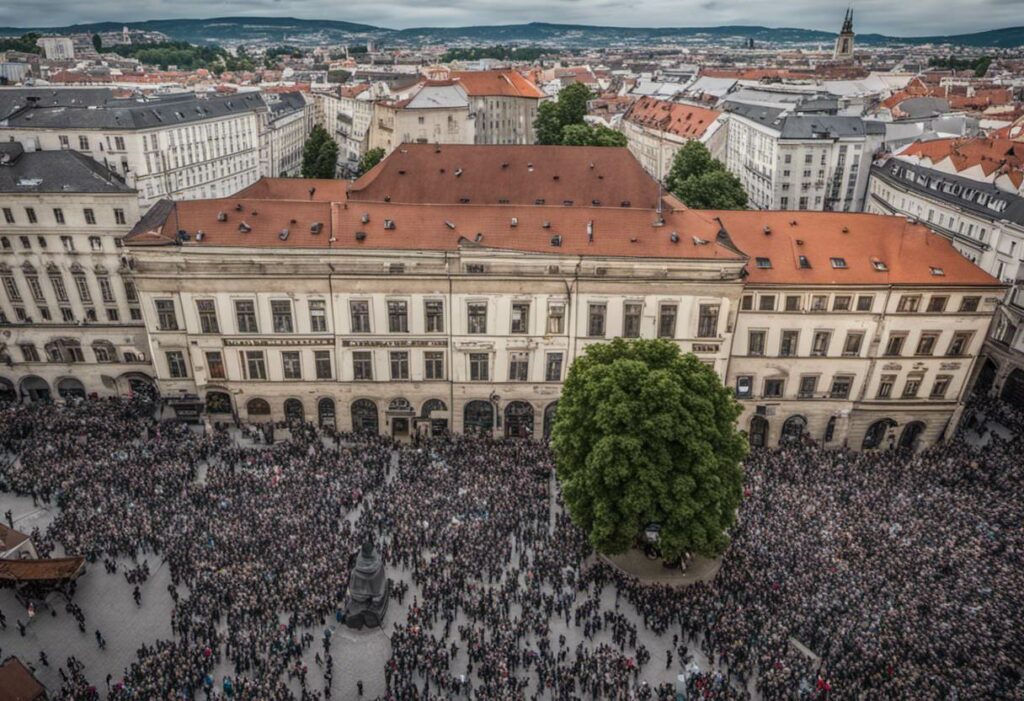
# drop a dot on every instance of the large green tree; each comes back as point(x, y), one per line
point(702, 182)
point(647, 434)
point(370, 159)
point(319, 155)
point(554, 116)
point(591, 135)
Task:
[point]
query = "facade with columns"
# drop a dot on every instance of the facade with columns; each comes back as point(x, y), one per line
point(416, 301)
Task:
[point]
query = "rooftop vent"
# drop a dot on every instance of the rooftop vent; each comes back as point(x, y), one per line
point(450, 224)
point(554, 177)
point(799, 242)
point(767, 231)
point(596, 203)
point(244, 228)
point(479, 237)
point(365, 218)
point(556, 240)
point(463, 200)
point(389, 224)
point(625, 203)
point(387, 198)
point(458, 172)
point(360, 236)
point(401, 171)
point(539, 200)
point(504, 164)
point(792, 222)
point(222, 216)
point(846, 229)
point(200, 235)
point(316, 227)
point(590, 231)
point(238, 207)
point(312, 191)
point(283, 235)
point(515, 222)
point(546, 224)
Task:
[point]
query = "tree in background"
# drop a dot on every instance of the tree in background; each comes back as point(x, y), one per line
point(319, 155)
point(702, 182)
point(645, 434)
point(97, 43)
point(26, 43)
point(370, 159)
point(554, 116)
point(591, 135)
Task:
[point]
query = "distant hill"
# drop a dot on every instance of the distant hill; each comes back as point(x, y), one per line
point(284, 29)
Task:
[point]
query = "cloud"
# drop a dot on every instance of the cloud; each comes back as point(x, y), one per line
point(911, 17)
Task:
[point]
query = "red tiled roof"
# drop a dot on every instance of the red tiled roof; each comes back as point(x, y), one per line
point(449, 173)
point(497, 83)
point(295, 189)
point(41, 570)
point(992, 154)
point(909, 251)
point(17, 683)
point(679, 119)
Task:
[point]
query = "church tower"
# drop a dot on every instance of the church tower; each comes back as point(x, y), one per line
point(844, 42)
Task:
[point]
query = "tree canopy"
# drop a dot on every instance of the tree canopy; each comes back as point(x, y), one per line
point(26, 43)
point(184, 55)
point(370, 159)
point(591, 135)
point(554, 116)
point(702, 182)
point(647, 434)
point(319, 155)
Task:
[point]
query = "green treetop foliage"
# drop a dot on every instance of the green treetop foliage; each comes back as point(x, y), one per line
point(319, 155)
point(97, 43)
point(475, 53)
point(184, 55)
point(370, 159)
point(645, 434)
point(978, 64)
point(568, 109)
point(588, 135)
point(702, 182)
point(26, 43)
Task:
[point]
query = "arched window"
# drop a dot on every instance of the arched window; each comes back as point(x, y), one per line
point(294, 411)
point(7, 391)
point(326, 413)
point(218, 403)
point(518, 420)
point(794, 427)
point(70, 387)
point(550, 411)
point(364, 417)
point(258, 407)
point(478, 417)
point(104, 352)
point(758, 432)
point(830, 429)
point(35, 389)
point(1013, 389)
point(911, 432)
point(876, 433)
point(430, 406)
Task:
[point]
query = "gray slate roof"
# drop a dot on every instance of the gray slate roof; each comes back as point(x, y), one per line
point(807, 126)
point(73, 108)
point(54, 172)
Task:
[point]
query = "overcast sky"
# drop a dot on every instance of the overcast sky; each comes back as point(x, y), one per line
point(895, 17)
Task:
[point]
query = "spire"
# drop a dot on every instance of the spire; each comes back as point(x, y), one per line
point(848, 22)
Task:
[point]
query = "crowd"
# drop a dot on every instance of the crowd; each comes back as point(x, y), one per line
point(884, 575)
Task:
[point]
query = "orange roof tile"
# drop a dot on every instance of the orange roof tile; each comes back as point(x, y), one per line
point(992, 154)
point(682, 120)
point(497, 83)
point(295, 189)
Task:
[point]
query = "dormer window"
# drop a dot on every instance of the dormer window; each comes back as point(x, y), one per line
point(879, 265)
point(838, 263)
point(763, 263)
point(938, 272)
point(804, 263)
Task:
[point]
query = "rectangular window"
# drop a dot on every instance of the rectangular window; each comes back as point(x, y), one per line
point(793, 303)
point(255, 365)
point(747, 303)
point(595, 320)
point(176, 365)
point(399, 365)
point(83, 143)
point(766, 303)
point(433, 365)
point(58, 215)
point(362, 365)
point(631, 313)
point(667, 320)
point(66, 314)
point(819, 303)
point(281, 313)
point(476, 317)
point(95, 243)
point(885, 386)
point(841, 385)
point(940, 387)
point(398, 316)
point(773, 388)
point(207, 316)
point(106, 291)
point(895, 344)
point(520, 317)
point(853, 343)
point(112, 314)
point(821, 341)
point(317, 315)
point(119, 217)
point(961, 341)
point(29, 352)
point(35, 288)
point(31, 214)
point(788, 343)
point(433, 312)
point(215, 365)
point(359, 310)
point(323, 365)
point(756, 342)
point(969, 304)
point(167, 319)
point(937, 304)
point(478, 367)
point(291, 364)
point(553, 368)
point(556, 319)
point(707, 321)
point(11, 288)
point(130, 293)
point(90, 216)
point(841, 303)
point(518, 366)
point(8, 215)
point(926, 344)
point(82, 285)
point(912, 387)
point(865, 302)
point(744, 386)
point(808, 386)
point(245, 316)
point(909, 303)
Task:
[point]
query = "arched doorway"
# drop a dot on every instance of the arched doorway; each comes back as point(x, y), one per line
point(830, 429)
point(294, 411)
point(478, 417)
point(326, 414)
point(218, 403)
point(7, 392)
point(70, 388)
point(139, 386)
point(550, 411)
point(257, 407)
point(793, 428)
point(35, 389)
point(364, 417)
point(400, 414)
point(758, 432)
point(438, 425)
point(518, 420)
point(1013, 389)
point(876, 433)
point(986, 377)
point(911, 432)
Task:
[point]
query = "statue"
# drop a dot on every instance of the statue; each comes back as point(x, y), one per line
point(368, 590)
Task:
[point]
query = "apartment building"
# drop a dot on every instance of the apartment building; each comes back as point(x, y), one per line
point(451, 287)
point(504, 105)
point(289, 120)
point(656, 129)
point(792, 161)
point(70, 317)
point(434, 112)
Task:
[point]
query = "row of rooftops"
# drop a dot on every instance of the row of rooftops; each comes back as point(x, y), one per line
point(806, 126)
point(386, 211)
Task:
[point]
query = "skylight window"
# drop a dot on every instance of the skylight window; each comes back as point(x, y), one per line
point(937, 271)
point(838, 262)
point(880, 265)
point(804, 263)
point(764, 263)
